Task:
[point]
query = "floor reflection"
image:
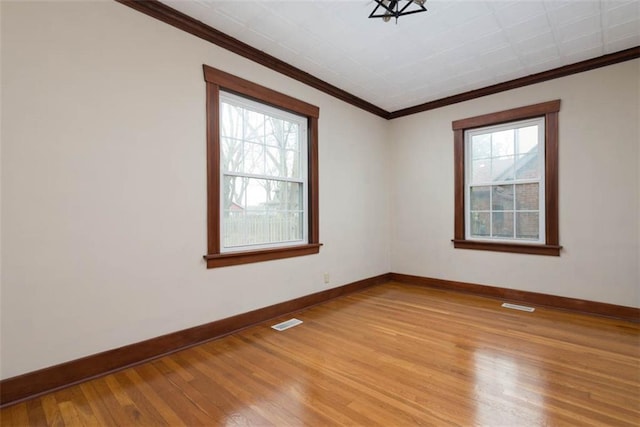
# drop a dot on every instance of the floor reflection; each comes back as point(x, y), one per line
point(507, 390)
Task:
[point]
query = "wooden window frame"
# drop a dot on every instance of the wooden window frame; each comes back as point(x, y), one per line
point(217, 80)
point(548, 110)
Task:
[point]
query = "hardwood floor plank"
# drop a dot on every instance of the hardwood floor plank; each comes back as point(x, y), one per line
point(123, 411)
point(173, 364)
point(232, 398)
point(52, 410)
point(120, 395)
point(150, 414)
point(80, 407)
point(18, 416)
point(179, 409)
point(121, 407)
point(36, 413)
point(148, 389)
point(69, 414)
point(97, 404)
point(393, 354)
point(198, 402)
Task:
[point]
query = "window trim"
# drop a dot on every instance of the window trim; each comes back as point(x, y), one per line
point(549, 110)
point(217, 80)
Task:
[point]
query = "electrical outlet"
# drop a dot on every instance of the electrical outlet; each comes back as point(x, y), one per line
point(327, 278)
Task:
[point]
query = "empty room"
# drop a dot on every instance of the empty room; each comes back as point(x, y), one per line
point(314, 213)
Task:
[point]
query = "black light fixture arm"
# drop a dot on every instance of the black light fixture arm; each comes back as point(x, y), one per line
point(387, 9)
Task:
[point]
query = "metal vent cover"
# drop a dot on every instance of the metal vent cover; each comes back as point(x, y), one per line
point(286, 324)
point(518, 307)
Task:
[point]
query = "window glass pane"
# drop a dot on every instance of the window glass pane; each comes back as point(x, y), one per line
point(248, 193)
point(527, 225)
point(233, 193)
point(273, 132)
point(527, 196)
point(480, 198)
point(502, 143)
point(282, 133)
point(528, 139)
point(480, 224)
point(502, 198)
point(291, 134)
point(252, 228)
point(502, 224)
point(481, 171)
point(258, 211)
point(282, 163)
point(481, 146)
point(293, 196)
point(231, 121)
point(231, 152)
point(294, 224)
point(254, 161)
point(292, 163)
point(254, 126)
point(263, 194)
point(502, 168)
point(527, 166)
point(276, 163)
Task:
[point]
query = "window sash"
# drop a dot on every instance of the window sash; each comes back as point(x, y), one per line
point(266, 220)
point(491, 184)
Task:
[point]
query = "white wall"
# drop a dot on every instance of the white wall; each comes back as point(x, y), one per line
point(103, 186)
point(599, 192)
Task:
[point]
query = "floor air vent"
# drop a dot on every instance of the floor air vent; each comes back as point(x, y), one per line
point(518, 307)
point(287, 324)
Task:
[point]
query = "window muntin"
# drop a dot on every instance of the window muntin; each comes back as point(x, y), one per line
point(263, 175)
point(504, 186)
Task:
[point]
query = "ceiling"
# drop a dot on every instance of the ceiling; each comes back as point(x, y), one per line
point(455, 47)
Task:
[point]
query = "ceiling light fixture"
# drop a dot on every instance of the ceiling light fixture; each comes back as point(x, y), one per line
point(387, 9)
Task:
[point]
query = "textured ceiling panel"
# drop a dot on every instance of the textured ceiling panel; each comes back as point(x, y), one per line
point(456, 46)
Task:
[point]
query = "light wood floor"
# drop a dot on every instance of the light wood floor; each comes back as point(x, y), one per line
point(393, 355)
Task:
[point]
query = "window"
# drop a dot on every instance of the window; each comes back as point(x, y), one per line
point(506, 181)
point(262, 173)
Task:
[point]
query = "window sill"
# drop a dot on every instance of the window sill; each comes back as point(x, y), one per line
point(519, 248)
point(246, 257)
